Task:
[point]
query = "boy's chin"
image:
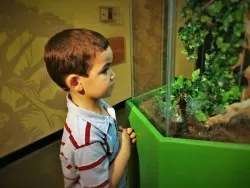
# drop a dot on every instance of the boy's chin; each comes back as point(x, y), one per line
point(106, 95)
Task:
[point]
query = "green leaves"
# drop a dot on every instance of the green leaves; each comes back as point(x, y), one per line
point(200, 116)
point(184, 12)
point(178, 84)
point(220, 27)
point(193, 34)
point(239, 14)
point(184, 52)
point(209, 56)
point(203, 34)
point(223, 46)
point(214, 8)
point(205, 19)
point(192, 57)
point(195, 75)
point(188, 84)
point(238, 29)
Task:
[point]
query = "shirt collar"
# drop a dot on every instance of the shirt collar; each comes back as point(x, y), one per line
point(101, 122)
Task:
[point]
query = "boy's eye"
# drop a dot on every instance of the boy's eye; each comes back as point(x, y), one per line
point(105, 70)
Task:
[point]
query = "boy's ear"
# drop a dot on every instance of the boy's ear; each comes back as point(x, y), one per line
point(72, 81)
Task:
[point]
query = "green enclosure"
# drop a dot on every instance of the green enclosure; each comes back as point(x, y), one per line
point(194, 130)
point(175, 162)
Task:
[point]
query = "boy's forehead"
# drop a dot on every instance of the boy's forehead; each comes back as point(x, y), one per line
point(102, 58)
point(105, 56)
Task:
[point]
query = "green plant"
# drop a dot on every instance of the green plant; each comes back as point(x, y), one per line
point(218, 26)
point(186, 96)
point(189, 91)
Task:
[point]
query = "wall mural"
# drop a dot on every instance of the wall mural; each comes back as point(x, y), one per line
point(31, 106)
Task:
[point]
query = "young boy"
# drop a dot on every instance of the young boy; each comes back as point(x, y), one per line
point(94, 151)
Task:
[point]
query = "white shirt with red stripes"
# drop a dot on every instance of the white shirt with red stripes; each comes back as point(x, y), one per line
point(90, 143)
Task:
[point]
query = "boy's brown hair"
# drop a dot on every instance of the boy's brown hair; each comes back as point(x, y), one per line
point(71, 52)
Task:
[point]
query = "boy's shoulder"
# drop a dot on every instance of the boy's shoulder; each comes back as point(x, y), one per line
point(82, 132)
point(78, 134)
point(84, 126)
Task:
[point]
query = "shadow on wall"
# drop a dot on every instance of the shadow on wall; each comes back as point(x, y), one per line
point(30, 103)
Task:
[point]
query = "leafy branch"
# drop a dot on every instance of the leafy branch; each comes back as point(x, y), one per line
point(219, 24)
point(218, 27)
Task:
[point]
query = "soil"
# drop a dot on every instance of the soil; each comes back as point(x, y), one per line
point(235, 131)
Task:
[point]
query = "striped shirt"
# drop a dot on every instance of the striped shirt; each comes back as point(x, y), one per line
point(89, 145)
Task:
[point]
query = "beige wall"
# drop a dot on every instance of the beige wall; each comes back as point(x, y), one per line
point(31, 105)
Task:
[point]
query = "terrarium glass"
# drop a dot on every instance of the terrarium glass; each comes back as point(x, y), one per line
point(206, 91)
point(194, 129)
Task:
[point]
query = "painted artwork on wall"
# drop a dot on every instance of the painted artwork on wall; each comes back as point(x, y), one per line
point(31, 105)
point(29, 110)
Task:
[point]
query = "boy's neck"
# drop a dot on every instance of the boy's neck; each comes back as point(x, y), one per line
point(87, 103)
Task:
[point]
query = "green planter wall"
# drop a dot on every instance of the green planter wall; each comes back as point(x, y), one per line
point(166, 162)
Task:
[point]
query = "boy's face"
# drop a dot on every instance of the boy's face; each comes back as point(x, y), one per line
point(100, 81)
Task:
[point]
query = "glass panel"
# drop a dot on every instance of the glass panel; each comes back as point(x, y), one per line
point(148, 34)
point(208, 96)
